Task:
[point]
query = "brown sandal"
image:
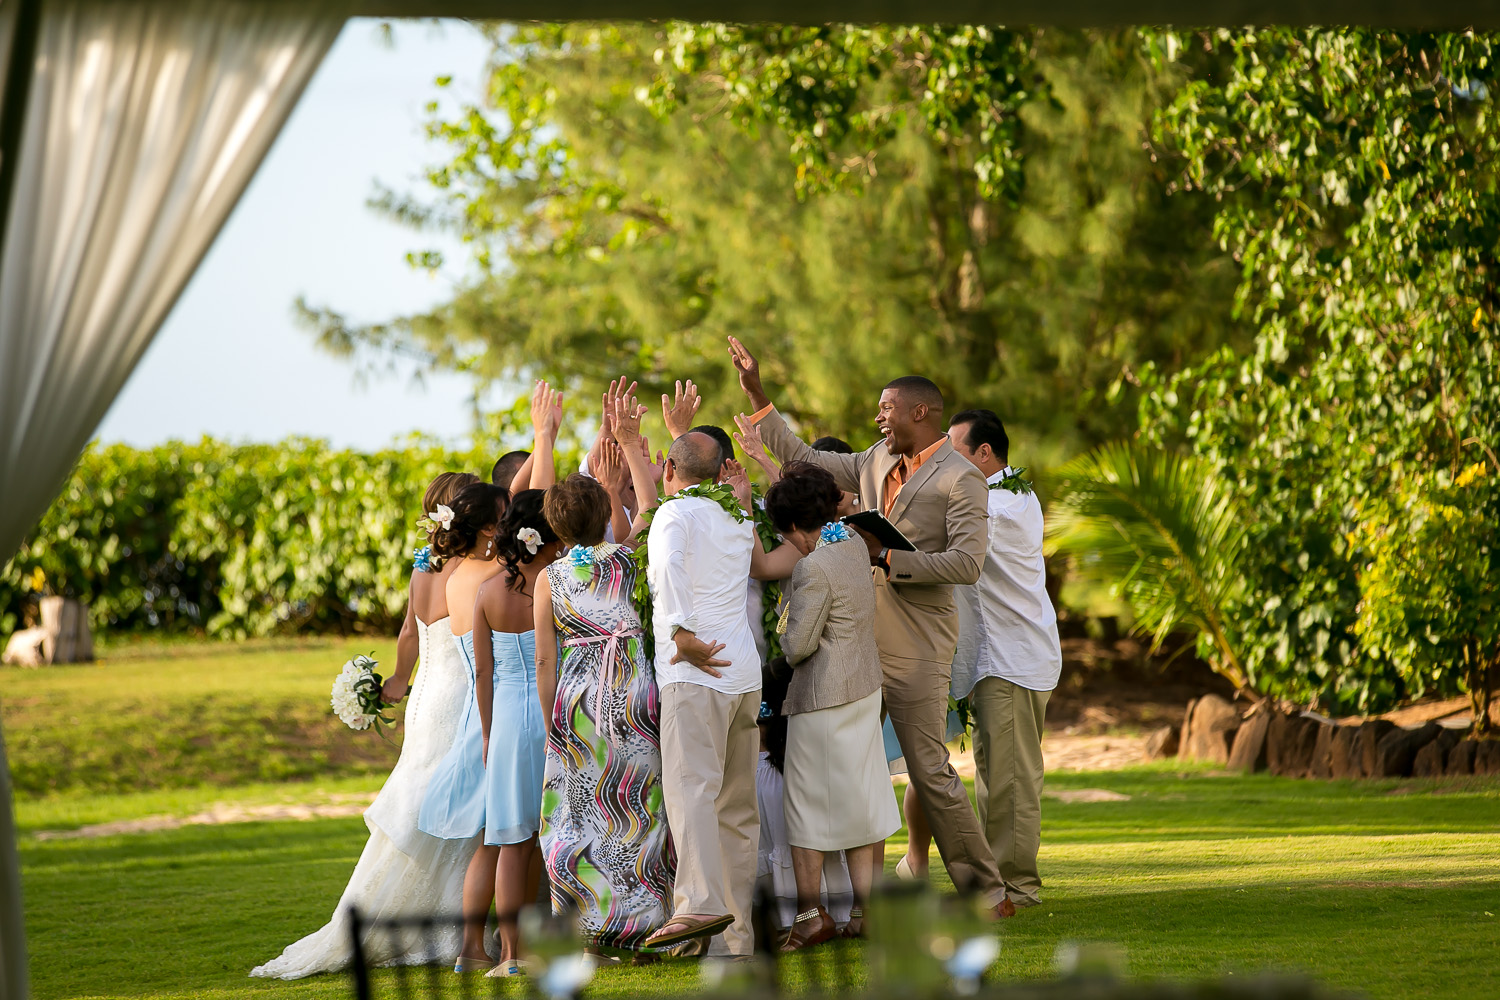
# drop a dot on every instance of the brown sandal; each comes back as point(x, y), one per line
point(855, 928)
point(810, 928)
point(688, 930)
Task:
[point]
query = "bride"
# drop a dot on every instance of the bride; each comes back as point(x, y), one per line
point(402, 871)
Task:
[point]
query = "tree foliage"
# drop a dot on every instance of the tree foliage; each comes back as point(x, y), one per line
point(1357, 174)
point(627, 210)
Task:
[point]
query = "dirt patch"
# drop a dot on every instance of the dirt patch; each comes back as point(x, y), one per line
point(337, 807)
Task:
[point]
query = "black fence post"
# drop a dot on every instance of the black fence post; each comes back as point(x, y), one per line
point(357, 955)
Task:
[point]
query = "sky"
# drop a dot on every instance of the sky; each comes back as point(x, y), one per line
point(231, 361)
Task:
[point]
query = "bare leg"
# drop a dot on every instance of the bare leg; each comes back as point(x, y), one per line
point(862, 863)
point(479, 893)
point(918, 835)
point(807, 866)
point(513, 871)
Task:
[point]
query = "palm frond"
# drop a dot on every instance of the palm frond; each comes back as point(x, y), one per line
point(1165, 531)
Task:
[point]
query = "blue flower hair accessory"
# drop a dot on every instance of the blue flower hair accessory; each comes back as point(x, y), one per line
point(421, 559)
point(834, 531)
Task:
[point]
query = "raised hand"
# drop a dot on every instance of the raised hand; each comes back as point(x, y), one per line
point(748, 370)
point(627, 420)
point(677, 413)
point(611, 472)
point(656, 467)
point(748, 438)
point(546, 410)
point(734, 474)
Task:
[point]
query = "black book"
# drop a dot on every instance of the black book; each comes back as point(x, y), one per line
point(885, 532)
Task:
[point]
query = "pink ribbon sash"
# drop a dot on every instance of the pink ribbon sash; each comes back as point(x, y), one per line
point(611, 642)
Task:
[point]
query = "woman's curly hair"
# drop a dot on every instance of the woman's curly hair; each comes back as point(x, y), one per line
point(805, 497)
point(525, 511)
point(441, 491)
point(475, 507)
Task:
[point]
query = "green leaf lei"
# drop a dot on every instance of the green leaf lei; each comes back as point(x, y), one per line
point(723, 495)
point(1014, 482)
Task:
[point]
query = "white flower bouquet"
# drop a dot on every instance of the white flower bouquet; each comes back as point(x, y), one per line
point(356, 695)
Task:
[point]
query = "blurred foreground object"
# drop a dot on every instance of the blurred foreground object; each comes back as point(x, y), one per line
point(63, 636)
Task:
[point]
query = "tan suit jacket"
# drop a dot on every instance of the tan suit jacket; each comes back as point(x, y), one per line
point(942, 510)
point(828, 642)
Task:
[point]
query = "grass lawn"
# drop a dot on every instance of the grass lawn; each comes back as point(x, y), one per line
point(148, 716)
point(1382, 887)
point(1388, 888)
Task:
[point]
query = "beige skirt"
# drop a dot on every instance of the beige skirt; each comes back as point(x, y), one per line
point(838, 787)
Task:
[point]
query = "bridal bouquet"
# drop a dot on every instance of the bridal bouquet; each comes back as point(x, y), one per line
point(356, 695)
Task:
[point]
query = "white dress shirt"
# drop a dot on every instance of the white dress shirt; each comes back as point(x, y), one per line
point(699, 560)
point(1007, 626)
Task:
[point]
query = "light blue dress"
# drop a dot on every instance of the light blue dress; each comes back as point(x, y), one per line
point(518, 743)
point(453, 807)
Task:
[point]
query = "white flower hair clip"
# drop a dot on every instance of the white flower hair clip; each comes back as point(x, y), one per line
point(442, 517)
point(531, 538)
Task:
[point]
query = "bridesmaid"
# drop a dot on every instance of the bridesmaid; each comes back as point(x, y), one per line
point(604, 830)
point(515, 733)
point(453, 808)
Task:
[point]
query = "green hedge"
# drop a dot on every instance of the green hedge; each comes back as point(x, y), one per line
point(233, 540)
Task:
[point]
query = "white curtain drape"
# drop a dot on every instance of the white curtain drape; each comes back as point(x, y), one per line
point(143, 125)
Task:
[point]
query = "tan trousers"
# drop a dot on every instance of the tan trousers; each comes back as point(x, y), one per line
point(1008, 779)
point(916, 699)
point(709, 751)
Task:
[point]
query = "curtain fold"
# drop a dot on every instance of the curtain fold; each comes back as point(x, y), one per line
point(144, 123)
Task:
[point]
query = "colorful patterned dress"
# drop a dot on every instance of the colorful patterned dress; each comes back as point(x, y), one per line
point(604, 825)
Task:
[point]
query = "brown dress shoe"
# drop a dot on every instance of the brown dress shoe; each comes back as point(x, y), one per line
point(810, 928)
point(1004, 908)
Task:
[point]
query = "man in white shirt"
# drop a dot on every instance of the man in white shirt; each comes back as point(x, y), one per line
point(1008, 658)
point(708, 671)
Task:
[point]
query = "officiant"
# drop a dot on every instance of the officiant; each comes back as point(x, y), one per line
point(938, 501)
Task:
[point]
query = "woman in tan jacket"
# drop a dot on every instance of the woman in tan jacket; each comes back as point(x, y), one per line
point(838, 788)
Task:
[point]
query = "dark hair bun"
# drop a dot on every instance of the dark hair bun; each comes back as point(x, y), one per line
point(806, 497)
point(475, 507)
point(525, 511)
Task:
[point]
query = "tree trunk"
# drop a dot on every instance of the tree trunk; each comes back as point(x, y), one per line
point(1482, 674)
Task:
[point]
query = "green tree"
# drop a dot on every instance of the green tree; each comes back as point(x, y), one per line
point(626, 213)
point(1356, 172)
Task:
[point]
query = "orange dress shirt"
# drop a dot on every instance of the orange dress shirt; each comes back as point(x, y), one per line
point(900, 473)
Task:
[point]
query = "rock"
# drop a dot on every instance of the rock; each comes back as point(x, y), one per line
point(1432, 760)
point(1211, 726)
point(1322, 758)
point(1162, 742)
point(1365, 743)
point(1461, 757)
point(1487, 757)
point(1249, 751)
point(1398, 748)
point(1289, 745)
point(1342, 760)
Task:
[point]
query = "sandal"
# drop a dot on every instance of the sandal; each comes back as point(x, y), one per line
point(466, 964)
point(810, 928)
point(507, 968)
point(855, 928)
point(688, 930)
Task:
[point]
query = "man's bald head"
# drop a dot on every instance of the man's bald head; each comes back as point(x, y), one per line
point(695, 457)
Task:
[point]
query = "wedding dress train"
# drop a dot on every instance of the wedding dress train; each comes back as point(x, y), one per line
point(402, 872)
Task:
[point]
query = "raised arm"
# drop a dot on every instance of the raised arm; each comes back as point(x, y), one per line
point(747, 436)
point(484, 667)
point(627, 431)
point(611, 474)
point(778, 437)
point(546, 421)
point(811, 601)
point(677, 411)
point(968, 539)
point(546, 648)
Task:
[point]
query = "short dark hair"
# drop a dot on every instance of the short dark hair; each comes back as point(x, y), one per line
point(984, 428)
point(726, 446)
point(696, 455)
point(506, 467)
point(578, 509)
point(836, 446)
point(475, 507)
point(918, 390)
point(806, 497)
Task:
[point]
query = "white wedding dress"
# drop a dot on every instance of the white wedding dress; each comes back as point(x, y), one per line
point(402, 871)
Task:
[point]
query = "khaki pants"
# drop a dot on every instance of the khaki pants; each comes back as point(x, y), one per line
point(709, 751)
point(916, 699)
point(1008, 779)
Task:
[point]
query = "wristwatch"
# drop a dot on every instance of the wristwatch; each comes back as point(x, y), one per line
point(883, 560)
